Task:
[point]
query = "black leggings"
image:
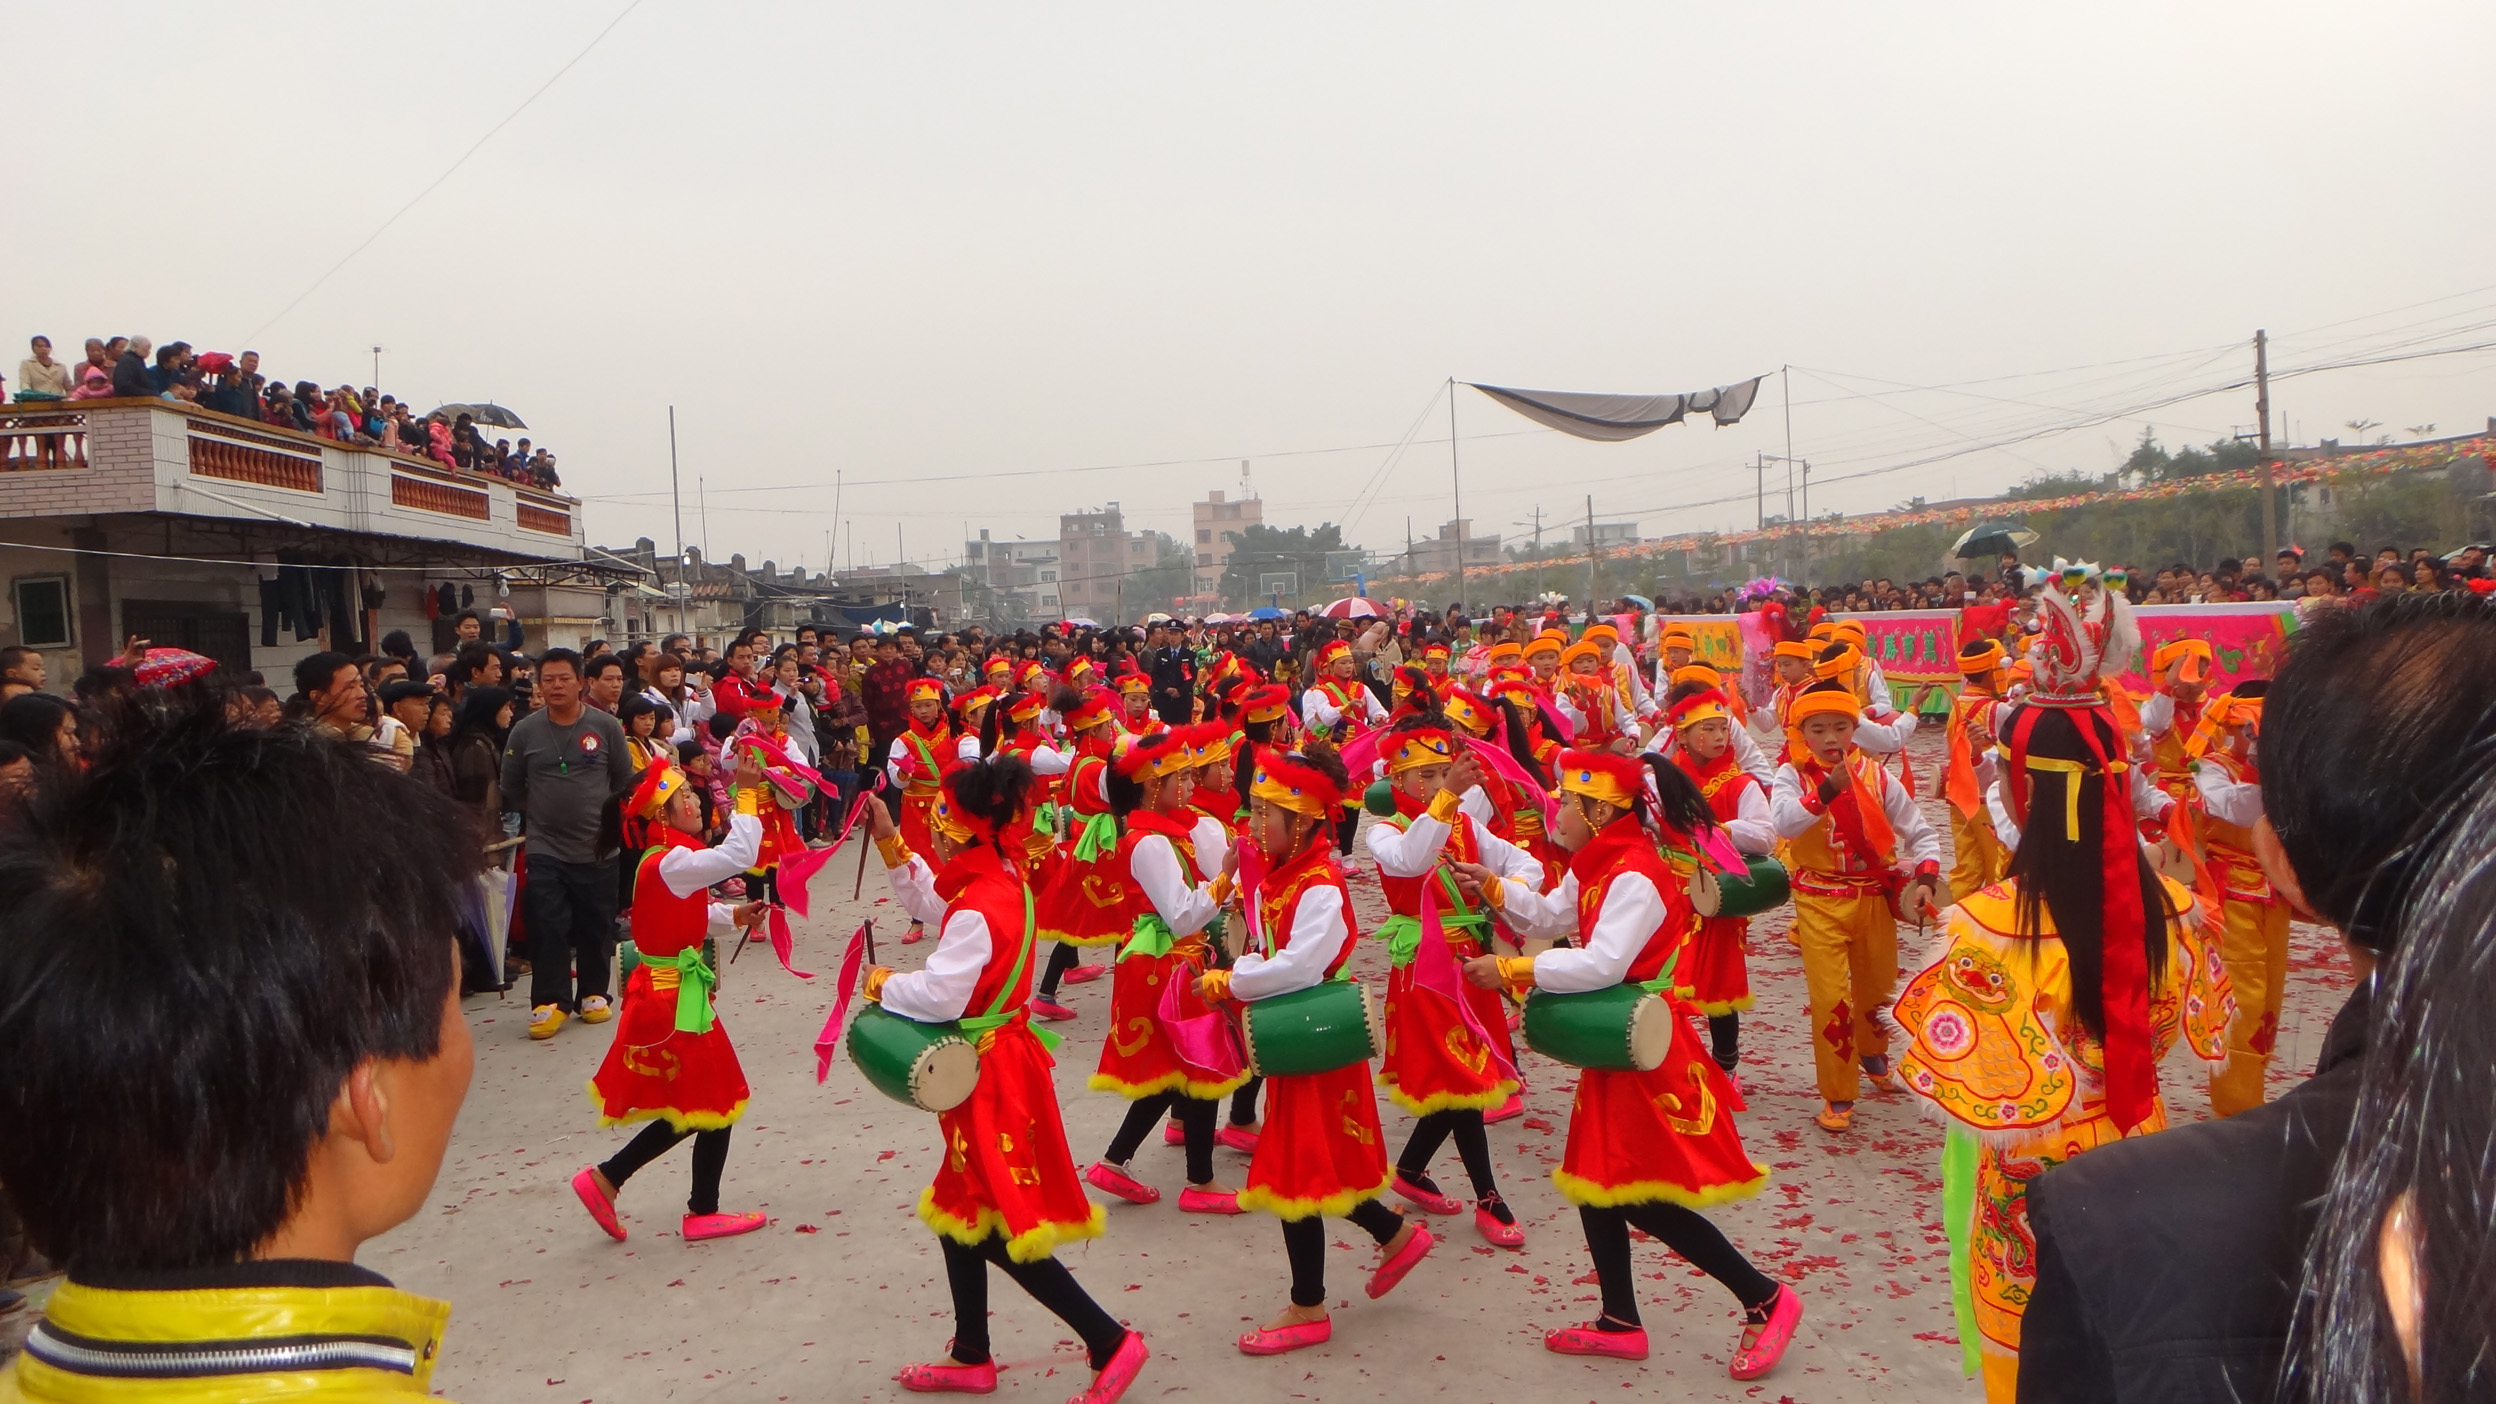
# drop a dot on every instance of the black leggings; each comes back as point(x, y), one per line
point(1062, 958)
point(1345, 829)
point(1473, 1144)
point(1304, 1240)
point(1244, 1102)
point(1724, 1038)
point(710, 1156)
point(1048, 1282)
point(1685, 1231)
point(1195, 1118)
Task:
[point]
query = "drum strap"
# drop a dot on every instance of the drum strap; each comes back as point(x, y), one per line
point(978, 1026)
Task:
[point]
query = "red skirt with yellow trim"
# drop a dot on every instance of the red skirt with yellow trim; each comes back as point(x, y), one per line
point(1321, 1151)
point(1636, 1138)
point(692, 1081)
point(1433, 1061)
point(1713, 975)
point(1138, 1059)
point(1083, 904)
point(1006, 1168)
point(915, 811)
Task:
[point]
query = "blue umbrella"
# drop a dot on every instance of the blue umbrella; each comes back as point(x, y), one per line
point(1268, 612)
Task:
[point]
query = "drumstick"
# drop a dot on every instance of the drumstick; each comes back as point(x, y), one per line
point(869, 929)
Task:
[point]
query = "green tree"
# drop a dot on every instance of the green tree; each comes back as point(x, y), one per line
point(1262, 550)
point(1161, 585)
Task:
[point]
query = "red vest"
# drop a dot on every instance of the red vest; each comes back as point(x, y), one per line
point(1623, 847)
point(1403, 894)
point(1179, 831)
point(664, 923)
point(1315, 867)
point(1720, 780)
point(977, 880)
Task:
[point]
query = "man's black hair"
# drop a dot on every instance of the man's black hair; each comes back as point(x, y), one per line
point(315, 673)
point(600, 665)
point(553, 656)
point(166, 1074)
point(394, 693)
point(2370, 724)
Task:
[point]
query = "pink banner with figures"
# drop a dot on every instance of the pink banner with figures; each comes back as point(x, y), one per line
point(2246, 640)
point(1913, 645)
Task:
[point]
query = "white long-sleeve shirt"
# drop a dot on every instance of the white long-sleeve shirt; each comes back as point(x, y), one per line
point(1632, 911)
point(1884, 738)
point(1917, 843)
point(1317, 936)
point(1183, 906)
point(941, 990)
point(2148, 802)
point(1212, 840)
point(1413, 851)
point(1320, 712)
point(2228, 799)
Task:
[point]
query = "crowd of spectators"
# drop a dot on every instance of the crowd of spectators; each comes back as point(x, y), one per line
point(132, 367)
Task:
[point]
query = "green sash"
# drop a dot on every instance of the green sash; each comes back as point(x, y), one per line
point(1153, 937)
point(1099, 836)
point(695, 979)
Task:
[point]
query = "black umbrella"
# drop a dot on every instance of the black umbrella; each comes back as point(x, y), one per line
point(491, 415)
point(1993, 539)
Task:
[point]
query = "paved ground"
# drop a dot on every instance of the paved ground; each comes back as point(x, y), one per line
point(846, 1285)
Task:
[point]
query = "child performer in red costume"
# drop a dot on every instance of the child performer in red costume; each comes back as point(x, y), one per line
point(1006, 1192)
point(1645, 1149)
point(779, 791)
point(1442, 1067)
point(671, 1063)
point(1322, 1152)
point(1712, 975)
point(1170, 903)
point(920, 757)
point(1084, 902)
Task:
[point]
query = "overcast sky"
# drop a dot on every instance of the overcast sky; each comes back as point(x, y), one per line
point(982, 260)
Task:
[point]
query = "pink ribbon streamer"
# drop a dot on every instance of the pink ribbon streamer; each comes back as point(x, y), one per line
point(782, 943)
point(1205, 1042)
point(1435, 969)
point(828, 1042)
point(797, 872)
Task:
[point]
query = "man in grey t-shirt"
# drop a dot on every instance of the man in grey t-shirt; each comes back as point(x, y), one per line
point(563, 766)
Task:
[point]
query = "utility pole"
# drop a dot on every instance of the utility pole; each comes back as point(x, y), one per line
point(836, 508)
point(676, 495)
point(2262, 411)
point(702, 502)
point(1590, 558)
point(1759, 469)
point(1785, 379)
point(1806, 576)
point(376, 368)
point(1458, 484)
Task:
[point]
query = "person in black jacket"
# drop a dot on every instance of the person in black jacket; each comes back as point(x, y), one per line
point(1173, 667)
point(2168, 1267)
point(133, 377)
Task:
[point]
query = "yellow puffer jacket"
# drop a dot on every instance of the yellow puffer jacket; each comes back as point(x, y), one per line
point(226, 1345)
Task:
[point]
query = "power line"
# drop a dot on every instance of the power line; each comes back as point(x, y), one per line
point(446, 174)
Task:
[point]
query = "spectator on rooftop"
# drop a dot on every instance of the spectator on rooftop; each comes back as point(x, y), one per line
point(39, 377)
point(131, 378)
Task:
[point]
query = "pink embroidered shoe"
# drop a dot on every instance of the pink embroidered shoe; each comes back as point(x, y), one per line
point(1050, 1010)
point(950, 1379)
point(1764, 1345)
point(594, 1199)
point(1494, 1232)
point(1514, 1106)
point(1586, 1340)
point(1085, 974)
point(1239, 1138)
point(1204, 1201)
point(1111, 1180)
point(699, 1227)
point(1393, 1270)
point(914, 935)
point(1290, 1338)
point(1124, 1365)
point(1173, 1134)
point(1429, 1201)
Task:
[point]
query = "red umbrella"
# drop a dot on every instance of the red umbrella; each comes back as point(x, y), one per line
point(1356, 607)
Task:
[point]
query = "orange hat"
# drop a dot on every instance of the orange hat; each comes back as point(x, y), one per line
point(1679, 636)
point(1295, 785)
point(659, 784)
point(1098, 706)
point(1842, 666)
point(1600, 633)
point(1797, 648)
point(1817, 701)
point(925, 690)
point(1409, 750)
point(1506, 652)
point(1265, 704)
point(1851, 630)
point(1468, 711)
point(1584, 648)
point(2185, 660)
point(1333, 653)
point(1699, 707)
point(1548, 641)
point(1699, 673)
point(1130, 684)
point(1151, 757)
point(1602, 775)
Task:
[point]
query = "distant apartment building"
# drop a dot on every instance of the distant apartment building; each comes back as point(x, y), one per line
point(1021, 576)
point(1439, 554)
point(1216, 519)
point(1096, 553)
point(1606, 534)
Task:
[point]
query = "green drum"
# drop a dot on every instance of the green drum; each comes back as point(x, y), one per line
point(928, 1066)
point(1317, 1030)
point(1379, 799)
point(1762, 889)
point(1621, 1029)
